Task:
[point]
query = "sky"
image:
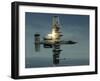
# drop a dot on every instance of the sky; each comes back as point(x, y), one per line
point(73, 27)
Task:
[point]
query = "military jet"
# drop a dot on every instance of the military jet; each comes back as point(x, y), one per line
point(53, 40)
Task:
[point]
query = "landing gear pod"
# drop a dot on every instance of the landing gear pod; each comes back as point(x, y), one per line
point(37, 42)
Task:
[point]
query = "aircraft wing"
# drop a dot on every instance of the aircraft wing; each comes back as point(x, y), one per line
point(67, 42)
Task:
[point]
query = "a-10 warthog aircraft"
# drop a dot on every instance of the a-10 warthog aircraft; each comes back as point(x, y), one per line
point(52, 40)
